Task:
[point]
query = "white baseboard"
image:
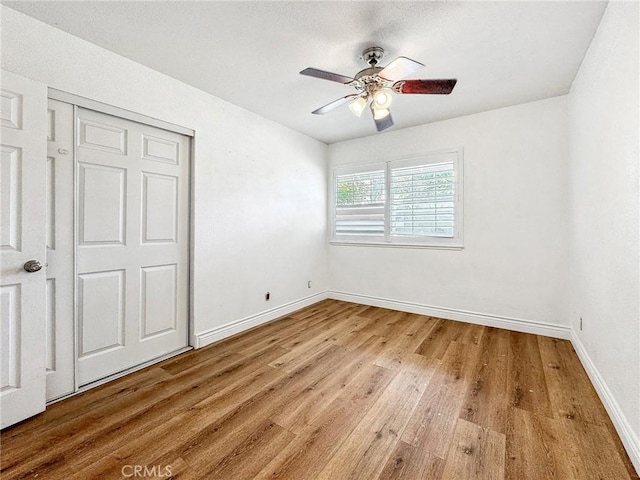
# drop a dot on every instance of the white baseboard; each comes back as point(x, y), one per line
point(489, 320)
point(218, 333)
point(623, 427)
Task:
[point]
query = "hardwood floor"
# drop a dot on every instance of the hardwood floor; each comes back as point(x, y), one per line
point(336, 391)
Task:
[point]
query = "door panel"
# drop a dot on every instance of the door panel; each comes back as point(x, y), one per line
point(51, 329)
point(10, 296)
point(101, 136)
point(102, 198)
point(23, 160)
point(160, 149)
point(159, 299)
point(59, 230)
point(159, 208)
point(101, 311)
point(11, 174)
point(132, 243)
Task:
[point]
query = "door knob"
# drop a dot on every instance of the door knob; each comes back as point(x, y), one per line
point(32, 266)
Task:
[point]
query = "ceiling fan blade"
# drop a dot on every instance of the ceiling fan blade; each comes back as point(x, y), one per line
point(383, 123)
point(334, 77)
point(335, 104)
point(400, 68)
point(443, 87)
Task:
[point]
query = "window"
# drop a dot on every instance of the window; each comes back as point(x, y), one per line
point(360, 204)
point(412, 201)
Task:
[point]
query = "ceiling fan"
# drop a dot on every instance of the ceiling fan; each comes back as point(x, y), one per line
point(376, 84)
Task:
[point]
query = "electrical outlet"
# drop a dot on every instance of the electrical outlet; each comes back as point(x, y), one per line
point(309, 284)
point(267, 296)
point(580, 323)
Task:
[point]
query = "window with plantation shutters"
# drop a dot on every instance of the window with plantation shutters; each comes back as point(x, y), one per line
point(415, 201)
point(422, 200)
point(360, 204)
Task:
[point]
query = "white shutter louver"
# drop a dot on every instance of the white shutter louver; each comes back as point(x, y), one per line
point(360, 204)
point(422, 200)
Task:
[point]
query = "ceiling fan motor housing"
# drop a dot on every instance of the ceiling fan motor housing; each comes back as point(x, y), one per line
point(373, 55)
point(367, 80)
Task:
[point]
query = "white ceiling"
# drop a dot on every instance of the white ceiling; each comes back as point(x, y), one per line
point(250, 53)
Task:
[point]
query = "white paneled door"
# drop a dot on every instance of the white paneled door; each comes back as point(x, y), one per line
point(131, 243)
point(60, 360)
point(22, 247)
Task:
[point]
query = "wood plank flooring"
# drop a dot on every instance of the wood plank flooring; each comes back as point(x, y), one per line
point(336, 391)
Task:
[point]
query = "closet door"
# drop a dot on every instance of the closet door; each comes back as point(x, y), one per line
point(131, 243)
point(60, 360)
point(22, 248)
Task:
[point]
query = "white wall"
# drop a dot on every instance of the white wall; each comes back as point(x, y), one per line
point(514, 261)
point(604, 211)
point(260, 188)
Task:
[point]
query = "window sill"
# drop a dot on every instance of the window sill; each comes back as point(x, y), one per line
point(432, 246)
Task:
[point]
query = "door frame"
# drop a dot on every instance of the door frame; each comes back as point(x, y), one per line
point(84, 102)
point(78, 101)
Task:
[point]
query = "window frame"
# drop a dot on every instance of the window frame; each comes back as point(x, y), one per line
point(388, 240)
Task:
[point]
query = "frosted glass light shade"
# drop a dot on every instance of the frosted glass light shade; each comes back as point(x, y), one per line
point(382, 98)
point(357, 106)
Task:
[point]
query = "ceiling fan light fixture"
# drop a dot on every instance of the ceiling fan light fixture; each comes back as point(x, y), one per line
point(357, 106)
point(382, 98)
point(379, 113)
